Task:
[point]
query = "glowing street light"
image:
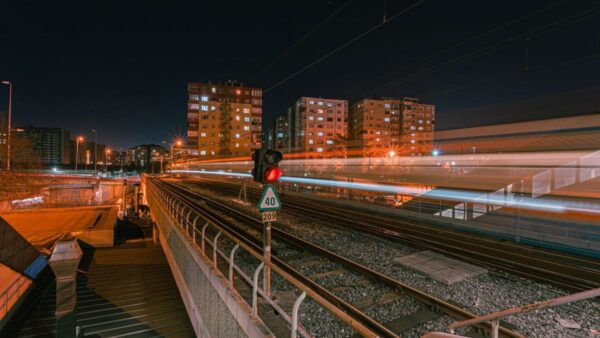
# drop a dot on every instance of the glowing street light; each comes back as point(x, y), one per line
point(435, 153)
point(176, 143)
point(77, 140)
point(392, 153)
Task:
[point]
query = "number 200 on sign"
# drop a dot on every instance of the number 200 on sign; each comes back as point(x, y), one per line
point(269, 216)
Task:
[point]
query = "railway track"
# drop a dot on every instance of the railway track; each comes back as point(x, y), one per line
point(246, 228)
point(566, 271)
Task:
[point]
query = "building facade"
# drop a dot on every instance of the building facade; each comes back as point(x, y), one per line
point(85, 154)
point(387, 126)
point(144, 156)
point(280, 133)
point(317, 125)
point(52, 145)
point(223, 119)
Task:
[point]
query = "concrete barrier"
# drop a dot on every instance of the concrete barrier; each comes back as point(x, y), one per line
point(214, 309)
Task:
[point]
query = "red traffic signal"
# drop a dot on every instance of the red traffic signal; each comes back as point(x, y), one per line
point(272, 174)
point(266, 165)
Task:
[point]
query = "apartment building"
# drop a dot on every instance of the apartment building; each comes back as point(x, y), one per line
point(384, 126)
point(223, 119)
point(317, 125)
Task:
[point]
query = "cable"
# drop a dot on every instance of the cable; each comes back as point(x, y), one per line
point(306, 36)
point(346, 44)
point(496, 46)
point(482, 35)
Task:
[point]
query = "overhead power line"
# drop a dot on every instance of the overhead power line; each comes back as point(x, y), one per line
point(306, 36)
point(346, 44)
point(578, 17)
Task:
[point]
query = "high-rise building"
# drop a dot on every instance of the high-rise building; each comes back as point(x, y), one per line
point(51, 145)
point(317, 125)
point(148, 156)
point(381, 126)
point(280, 133)
point(223, 119)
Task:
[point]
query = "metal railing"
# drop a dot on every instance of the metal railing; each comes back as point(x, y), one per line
point(496, 316)
point(180, 213)
point(11, 295)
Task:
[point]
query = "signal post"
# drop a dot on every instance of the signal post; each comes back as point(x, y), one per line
point(266, 170)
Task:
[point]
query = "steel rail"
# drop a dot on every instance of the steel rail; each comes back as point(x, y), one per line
point(350, 314)
point(441, 238)
point(429, 300)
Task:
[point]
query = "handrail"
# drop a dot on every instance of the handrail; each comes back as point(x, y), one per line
point(495, 316)
point(153, 189)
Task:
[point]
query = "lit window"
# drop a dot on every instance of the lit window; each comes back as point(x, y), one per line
point(320, 118)
point(237, 117)
point(238, 92)
point(202, 134)
point(412, 141)
point(246, 127)
point(237, 145)
point(202, 152)
point(279, 135)
point(319, 150)
point(320, 133)
point(329, 141)
point(194, 97)
point(386, 119)
point(237, 135)
point(204, 108)
point(311, 141)
point(246, 119)
point(320, 111)
point(329, 104)
point(213, 108)
point(420, 128)
point(194, 106)
point(204, 98)
point(212, 153)
point(213, 89)
point(413, 128)
point(311, 102)
point(320, 103)
point(420, 121)
point(387, 105)
point(246, 110)
point(311, 118)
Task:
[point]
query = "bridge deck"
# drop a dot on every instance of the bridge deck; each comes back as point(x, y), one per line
point(128, 291)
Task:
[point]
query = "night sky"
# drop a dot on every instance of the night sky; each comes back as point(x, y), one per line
point(122, 67)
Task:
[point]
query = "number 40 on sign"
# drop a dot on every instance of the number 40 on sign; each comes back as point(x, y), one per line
point(269, 201)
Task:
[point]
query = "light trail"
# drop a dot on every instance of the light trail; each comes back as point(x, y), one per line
point(460, 196)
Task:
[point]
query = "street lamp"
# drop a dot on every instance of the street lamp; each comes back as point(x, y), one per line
point(106, 153)
point(9, 84)
point(77, 140)
point(178, 143)
point(95, 151)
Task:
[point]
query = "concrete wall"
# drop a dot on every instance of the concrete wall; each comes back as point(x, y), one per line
point(214, 309)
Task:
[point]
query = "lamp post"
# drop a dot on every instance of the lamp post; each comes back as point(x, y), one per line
point(77, 140)
point(95, 151)
point(106, 153)
point(9, 84)
point(178, 143)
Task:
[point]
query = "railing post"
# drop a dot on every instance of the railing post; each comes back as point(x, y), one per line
point(295, 314)
point(187, 222)
point(232, 263)
point(203, 236)
point(495, 328)
point(194, 228)
point(255, 290)
point(215, 249)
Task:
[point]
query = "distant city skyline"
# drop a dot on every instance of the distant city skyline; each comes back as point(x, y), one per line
point(126, 75)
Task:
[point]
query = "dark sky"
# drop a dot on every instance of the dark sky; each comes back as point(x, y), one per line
point(122, 67)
